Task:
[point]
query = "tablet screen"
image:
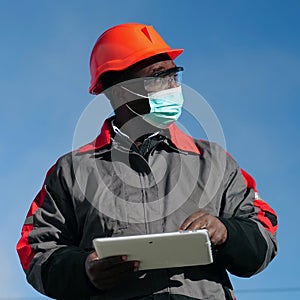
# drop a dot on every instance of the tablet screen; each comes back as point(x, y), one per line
point(162, 250)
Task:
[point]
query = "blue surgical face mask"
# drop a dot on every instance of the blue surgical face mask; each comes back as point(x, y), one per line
point(165, 106)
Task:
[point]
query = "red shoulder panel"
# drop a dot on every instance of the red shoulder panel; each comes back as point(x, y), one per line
point(181, 140)
point(102, 139)
point(250, 182)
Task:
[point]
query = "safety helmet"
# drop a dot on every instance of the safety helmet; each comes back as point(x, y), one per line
point(122, 46)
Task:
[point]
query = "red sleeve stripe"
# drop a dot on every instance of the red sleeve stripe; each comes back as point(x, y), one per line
point(24, 249)
point(266, 215)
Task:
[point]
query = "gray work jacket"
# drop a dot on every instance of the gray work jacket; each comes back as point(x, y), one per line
point(109, 188)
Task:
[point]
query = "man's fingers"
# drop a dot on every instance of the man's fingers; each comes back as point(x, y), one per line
point(189, 222)
point(93, 256)
point(109, 262)
point(122, 268)
point(95, 267)
point(202, 220)
point(106, 279)
point(218, 236)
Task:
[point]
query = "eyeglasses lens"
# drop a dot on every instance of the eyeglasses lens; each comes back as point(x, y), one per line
point(164, 80)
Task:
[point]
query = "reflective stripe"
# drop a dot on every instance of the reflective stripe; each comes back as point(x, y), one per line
point(25, 252)
point(28, 220)
point(257, 196)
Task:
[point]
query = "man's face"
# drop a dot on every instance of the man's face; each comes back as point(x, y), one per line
point(137, 103)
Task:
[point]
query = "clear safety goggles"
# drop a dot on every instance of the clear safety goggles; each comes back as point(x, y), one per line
point(164, 80)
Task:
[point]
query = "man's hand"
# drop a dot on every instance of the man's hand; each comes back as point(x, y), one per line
point(200, 220)
point(108, 272)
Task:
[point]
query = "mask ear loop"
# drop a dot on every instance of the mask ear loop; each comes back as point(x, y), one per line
point(137, 94)
point(133, 110)
point(128, 90)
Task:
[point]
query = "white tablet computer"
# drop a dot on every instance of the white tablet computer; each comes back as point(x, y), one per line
point(162, 250)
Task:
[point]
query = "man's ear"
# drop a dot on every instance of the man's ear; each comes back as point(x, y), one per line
point(116, 95)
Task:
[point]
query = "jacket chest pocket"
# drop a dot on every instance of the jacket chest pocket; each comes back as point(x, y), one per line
point(112, 207)
point(105, 195)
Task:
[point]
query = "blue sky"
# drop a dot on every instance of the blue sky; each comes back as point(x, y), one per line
point(243, 57)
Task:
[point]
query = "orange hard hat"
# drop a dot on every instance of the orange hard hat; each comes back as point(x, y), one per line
point(122, 46)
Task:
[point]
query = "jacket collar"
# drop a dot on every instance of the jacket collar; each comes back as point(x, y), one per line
point(102, 140)
point(181, 140)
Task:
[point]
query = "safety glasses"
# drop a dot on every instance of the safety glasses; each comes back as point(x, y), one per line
point(164, 80)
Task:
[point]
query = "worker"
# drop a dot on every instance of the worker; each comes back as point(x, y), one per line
point(143, 175)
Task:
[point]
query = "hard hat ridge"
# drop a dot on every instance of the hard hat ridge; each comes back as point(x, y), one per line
point(146, 32)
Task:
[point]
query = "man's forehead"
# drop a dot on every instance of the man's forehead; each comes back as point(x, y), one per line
point(155, 68)
point(151, 65)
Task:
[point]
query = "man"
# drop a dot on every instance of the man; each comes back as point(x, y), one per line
point(143, 175)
